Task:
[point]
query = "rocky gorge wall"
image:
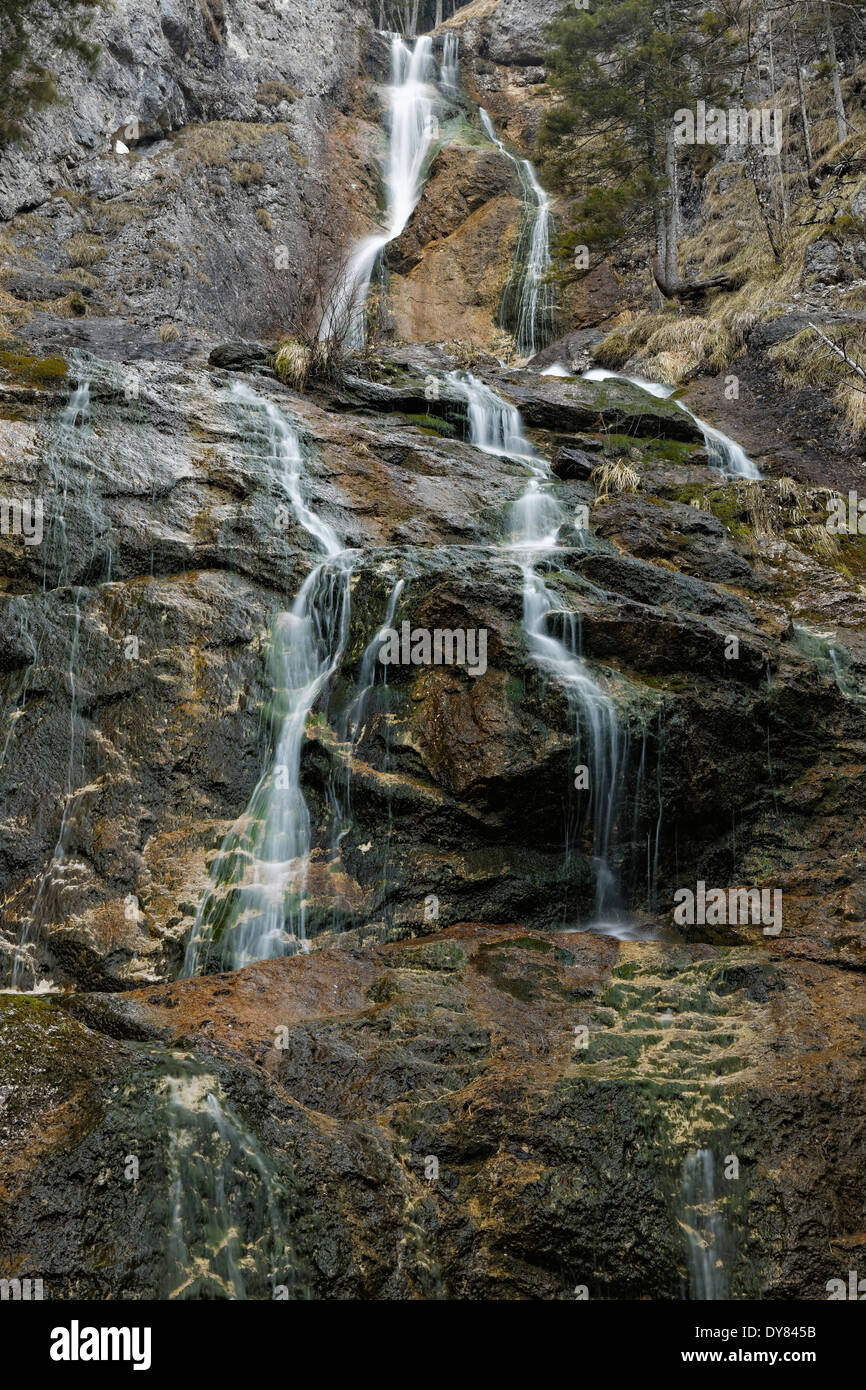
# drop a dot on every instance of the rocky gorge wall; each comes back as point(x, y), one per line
point(136, 699)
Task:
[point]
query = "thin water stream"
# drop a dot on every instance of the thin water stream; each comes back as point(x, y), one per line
point(527, 306)
point(726, 454)
point(533, 529)
point(256, 906)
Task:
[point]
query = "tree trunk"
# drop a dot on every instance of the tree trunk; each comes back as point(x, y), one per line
point(783, 191)
point(804, 114)
point(841, 122)
point(671, 210)
point(438, 14)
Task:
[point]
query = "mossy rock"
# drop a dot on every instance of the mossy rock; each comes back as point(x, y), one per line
point(431, 424)
point(431, 955)
point(33, 371)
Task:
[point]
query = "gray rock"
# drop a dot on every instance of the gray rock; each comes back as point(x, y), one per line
point(825, 261)
point(30, 287)
point(572, 463)
point(238, 355)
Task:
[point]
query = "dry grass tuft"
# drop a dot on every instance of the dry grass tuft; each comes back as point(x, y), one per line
point(673, 347)
point(84, 250)
point(817, 541)
point(293, 361)
point(612, 477)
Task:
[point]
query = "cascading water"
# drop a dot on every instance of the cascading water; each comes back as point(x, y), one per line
point(527, 308)
point(494, 425)
point(350, 726)
point(725, 454)
point(223, 1204)
point(69, 435)
point(413, 128)
point(705, 1229)
point(255, 908)
point(451, 60)
point(497, 428)
point(831, 657)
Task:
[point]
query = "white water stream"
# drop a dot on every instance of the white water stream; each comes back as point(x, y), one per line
point(725, 454)
point(527, 299)
point(256, 908)
point(413, 127)
point(496, 427)
point(703, 1224)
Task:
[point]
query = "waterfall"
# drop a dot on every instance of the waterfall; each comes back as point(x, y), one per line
point(704, 1227)
point(69, 434)
point(351, 723)
point(725, 454)
point(413, 129)
point(494, 425)
point(451, 60)
point(534, 523)
point(831, 658)
point(527, 300)
point(224, 1204)
point(255, 907)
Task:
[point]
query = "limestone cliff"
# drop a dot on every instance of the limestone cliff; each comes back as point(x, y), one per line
point(470, 1018)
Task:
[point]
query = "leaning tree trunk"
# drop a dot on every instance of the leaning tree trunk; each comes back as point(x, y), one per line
point(841, 121)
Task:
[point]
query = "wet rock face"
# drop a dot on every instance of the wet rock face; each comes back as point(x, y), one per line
point(138, 683)
point(455, 1117)
point(415, 1107)
point(449, 266)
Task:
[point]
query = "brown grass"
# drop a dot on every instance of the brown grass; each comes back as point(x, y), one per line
point(612, 477)
point(84, 250)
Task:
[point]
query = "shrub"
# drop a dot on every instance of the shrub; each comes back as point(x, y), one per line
point(272, 93)
point(248, 173)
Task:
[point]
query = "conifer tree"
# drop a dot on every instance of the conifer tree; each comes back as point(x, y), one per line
point(30, 30)
point(619, 72)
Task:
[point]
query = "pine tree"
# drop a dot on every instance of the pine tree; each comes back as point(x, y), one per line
point(29, 31)
point(620, 72)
